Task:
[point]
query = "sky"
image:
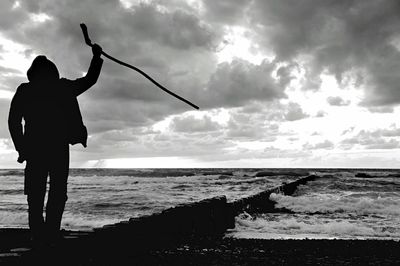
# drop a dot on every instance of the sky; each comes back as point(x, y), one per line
point(279, 83)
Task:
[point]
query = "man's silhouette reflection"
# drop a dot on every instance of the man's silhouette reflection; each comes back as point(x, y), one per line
point(52, 120)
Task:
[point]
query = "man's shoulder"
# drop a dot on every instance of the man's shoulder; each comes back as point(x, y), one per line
point(23, 86)
point(65, 81)
point(68, 86)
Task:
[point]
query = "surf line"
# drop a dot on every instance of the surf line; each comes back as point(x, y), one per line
point(89, 43)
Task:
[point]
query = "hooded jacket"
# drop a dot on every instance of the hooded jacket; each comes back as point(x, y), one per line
point(49, 106)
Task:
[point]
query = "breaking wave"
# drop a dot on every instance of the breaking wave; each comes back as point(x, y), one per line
point(298, 227)
point(330, 203)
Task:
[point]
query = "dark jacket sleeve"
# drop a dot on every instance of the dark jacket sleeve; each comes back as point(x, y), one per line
point(15, 120)
point(83, 84)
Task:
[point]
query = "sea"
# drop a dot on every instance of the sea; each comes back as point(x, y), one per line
point(341, 204)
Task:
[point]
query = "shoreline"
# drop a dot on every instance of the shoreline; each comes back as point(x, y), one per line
point(25, 230)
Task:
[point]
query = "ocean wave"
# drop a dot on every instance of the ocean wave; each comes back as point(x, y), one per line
point(181, 186)
point(15, 191)
point(17, 219)
point(280, 172)
point(85, 223)
point(13, 172)
point(110, 205)
point(340, 184)
point(330, 203)
point(225, 177)
point(132, 172)
point(213, 172)
point(69, 221)
point(260, 227)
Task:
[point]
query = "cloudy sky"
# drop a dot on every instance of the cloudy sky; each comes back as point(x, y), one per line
point(280, 83)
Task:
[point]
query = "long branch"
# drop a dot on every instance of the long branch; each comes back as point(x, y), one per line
point(89, 43)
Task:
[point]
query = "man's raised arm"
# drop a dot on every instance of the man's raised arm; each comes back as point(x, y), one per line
point(84, 83)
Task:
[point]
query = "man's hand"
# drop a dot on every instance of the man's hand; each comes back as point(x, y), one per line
point(96, 50)
point(21, 157)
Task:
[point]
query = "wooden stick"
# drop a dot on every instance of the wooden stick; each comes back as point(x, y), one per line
point(89, 43)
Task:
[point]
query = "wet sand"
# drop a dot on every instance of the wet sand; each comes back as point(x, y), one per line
point(84, 248)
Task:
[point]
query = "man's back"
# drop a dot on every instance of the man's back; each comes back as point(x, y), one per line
point(45, 108)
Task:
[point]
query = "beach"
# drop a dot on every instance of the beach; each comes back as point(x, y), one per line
point(80, 249)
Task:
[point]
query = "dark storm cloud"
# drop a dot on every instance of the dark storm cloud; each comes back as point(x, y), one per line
point(295, 112)
point(284, 74)
point(245, 130)
point(193, 124)
point(203, 136)
point(242, 125)
point(125, 32)
point(159, 42)
point(178, 29)
point(348, 131)
point(377, 139)
point(251, 132)
point(337, 36)
point(126, 135)
point(174, 45)
point(269, 114)
point(11, 82)
point(272, 152)
point(10, 17)
point(321, 145)
point(125, 90)
point(234, 84)
point(337, 101)
point(10, 78)
point(253, 123)
point(381, 109)
point(7, 71)
point(384, 144)
point(112, 144)
point(102, 115)
point(4, 107)
point(320, 114)
point(225, 11)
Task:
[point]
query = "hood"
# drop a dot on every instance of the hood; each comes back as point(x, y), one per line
point(42, 69)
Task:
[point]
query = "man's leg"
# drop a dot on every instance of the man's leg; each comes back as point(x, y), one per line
point(35, 188)
point(57, 197)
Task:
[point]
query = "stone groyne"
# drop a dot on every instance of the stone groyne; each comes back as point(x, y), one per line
point(211, 216)
point(207, 217)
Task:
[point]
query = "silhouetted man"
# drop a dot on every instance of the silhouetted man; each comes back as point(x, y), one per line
point(48, 104)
